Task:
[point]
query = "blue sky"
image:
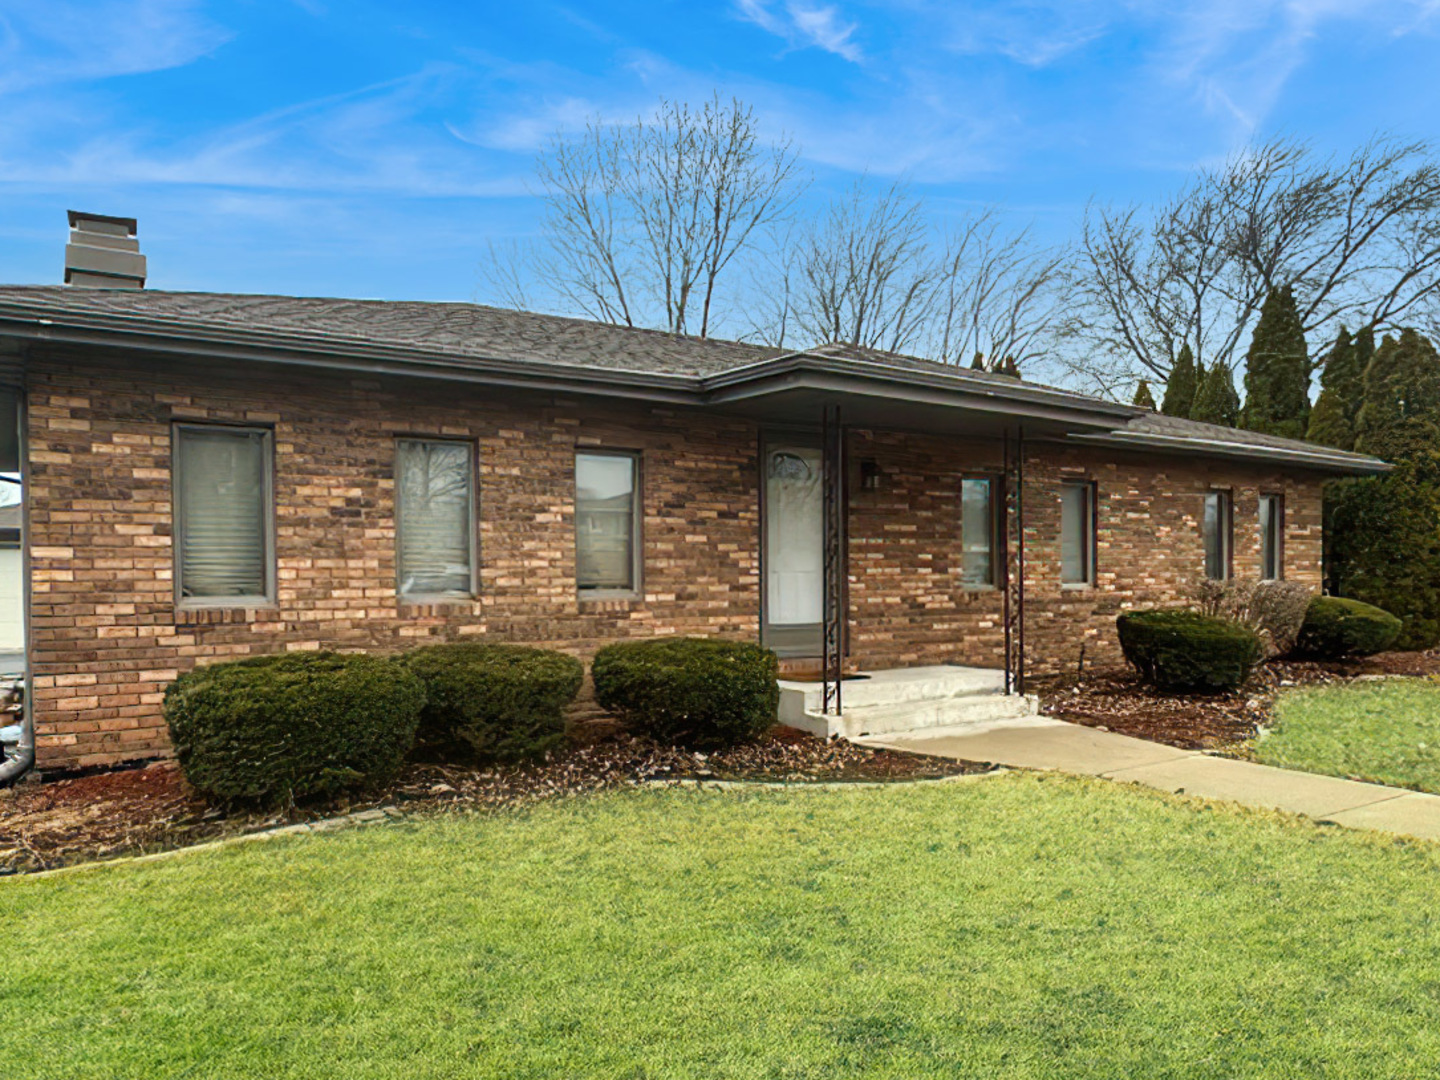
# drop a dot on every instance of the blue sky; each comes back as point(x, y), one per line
point(366, 149)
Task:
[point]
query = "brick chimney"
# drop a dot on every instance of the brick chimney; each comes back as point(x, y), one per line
point(103, 253)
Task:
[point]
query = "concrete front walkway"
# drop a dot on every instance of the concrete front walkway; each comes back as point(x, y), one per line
point(1045, 743)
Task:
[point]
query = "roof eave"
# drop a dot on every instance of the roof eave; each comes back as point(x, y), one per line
point(1318, 459)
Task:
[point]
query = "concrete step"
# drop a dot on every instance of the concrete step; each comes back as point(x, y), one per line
point(975, 709)
point(905, 699)
point(901, 684)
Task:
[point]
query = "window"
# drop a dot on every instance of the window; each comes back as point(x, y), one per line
point(434, 518)
point(606, 524)
point(1219, 527)
point(977, 533)
point(1272, 537)
point(1077, 533)
point(223, 542)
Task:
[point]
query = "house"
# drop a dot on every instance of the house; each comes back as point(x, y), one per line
point(212, 476)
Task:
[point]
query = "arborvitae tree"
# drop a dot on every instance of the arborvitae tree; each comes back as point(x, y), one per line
point(1217, 402)
point(1277, 371)
point(1399, 417)
point(1182, 386)
point(978, 364)
point(1010, 367)
point(1332, 420)
point(1382, 534)
point(1382, 546)
point(1143, 397)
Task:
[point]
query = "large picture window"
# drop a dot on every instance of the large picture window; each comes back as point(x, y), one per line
point(1219, 529)
point(607, 526)
point(1077, 533)
point(977, 533)
point(224, 550)
point(435, 514)
point(1272, 537)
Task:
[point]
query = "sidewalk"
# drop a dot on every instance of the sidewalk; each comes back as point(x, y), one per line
point(1044, 743)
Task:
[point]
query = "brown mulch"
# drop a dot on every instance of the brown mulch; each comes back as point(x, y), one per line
point(1118, 701)
point(151, 808)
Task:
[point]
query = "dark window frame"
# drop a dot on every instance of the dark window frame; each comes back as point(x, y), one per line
point(1090, 535)
point(1225, 523)
point(177, 540)
point(637, 522)
point(997, 531)
point(1277, 535)
point(472, 518)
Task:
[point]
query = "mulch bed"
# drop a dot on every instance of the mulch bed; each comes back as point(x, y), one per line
point(151, 808)
point(1118, 701)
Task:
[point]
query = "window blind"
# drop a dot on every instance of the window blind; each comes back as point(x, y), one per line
point(221, 494)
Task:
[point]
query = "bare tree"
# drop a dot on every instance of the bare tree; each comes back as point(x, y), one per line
point(865, 274)
point(998, 296)
point(870, 272)
point(644, 220)
point(1358, 240)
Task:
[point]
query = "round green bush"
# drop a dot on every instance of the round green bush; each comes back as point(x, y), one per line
point(276, 729)
point(690, 691)
point(1336, 628)
point(506, 701)
point(1175, 649)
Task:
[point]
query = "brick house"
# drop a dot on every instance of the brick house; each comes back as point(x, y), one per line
point(214, 476)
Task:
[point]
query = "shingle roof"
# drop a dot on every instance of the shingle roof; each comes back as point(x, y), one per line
point(473, 334)
point(457, 330)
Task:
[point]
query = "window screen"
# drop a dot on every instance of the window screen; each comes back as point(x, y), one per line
point(1077, 533)
point(977, 532)
point(222, 503)
point(434, 482)
point(605, 522)
point(1272, 534)
point(1218, 528)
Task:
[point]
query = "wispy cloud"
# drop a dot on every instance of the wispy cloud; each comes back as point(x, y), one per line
point(62, 41)
point(804, 25)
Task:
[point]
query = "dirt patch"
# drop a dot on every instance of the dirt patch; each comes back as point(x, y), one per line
point(137, 810)
point(1118, 701)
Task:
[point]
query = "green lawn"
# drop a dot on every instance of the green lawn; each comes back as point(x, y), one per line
point(1388, 732)
point(1016, 926)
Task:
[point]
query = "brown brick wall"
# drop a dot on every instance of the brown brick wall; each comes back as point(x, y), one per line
point(107, 635)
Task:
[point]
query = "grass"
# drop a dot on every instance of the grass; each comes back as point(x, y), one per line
point(1023, 925)
point(1387, 732)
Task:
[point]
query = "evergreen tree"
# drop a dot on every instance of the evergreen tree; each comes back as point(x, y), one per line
point(1143, 397)
point(1277, 371)
point(1329, 422)
point(1399, 416)
point(1182, 386)
point(1332, 420)
point(1217, 402)
point(1382, 533)
point(978, 364)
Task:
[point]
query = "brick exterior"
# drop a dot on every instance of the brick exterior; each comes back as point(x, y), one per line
point(107, 635)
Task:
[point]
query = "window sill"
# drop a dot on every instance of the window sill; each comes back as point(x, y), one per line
point(439, 600)
point(1076, 586)
point(609, 596)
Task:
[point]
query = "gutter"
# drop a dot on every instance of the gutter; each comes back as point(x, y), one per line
point(1325, 460)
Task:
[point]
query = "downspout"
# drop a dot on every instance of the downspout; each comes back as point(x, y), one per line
point(24, 760)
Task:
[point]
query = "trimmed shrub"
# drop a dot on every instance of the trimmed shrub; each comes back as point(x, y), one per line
point(1336, 628)
point(690, 691)
point(1174, 649)
point(507, 702)
point(276, 729)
